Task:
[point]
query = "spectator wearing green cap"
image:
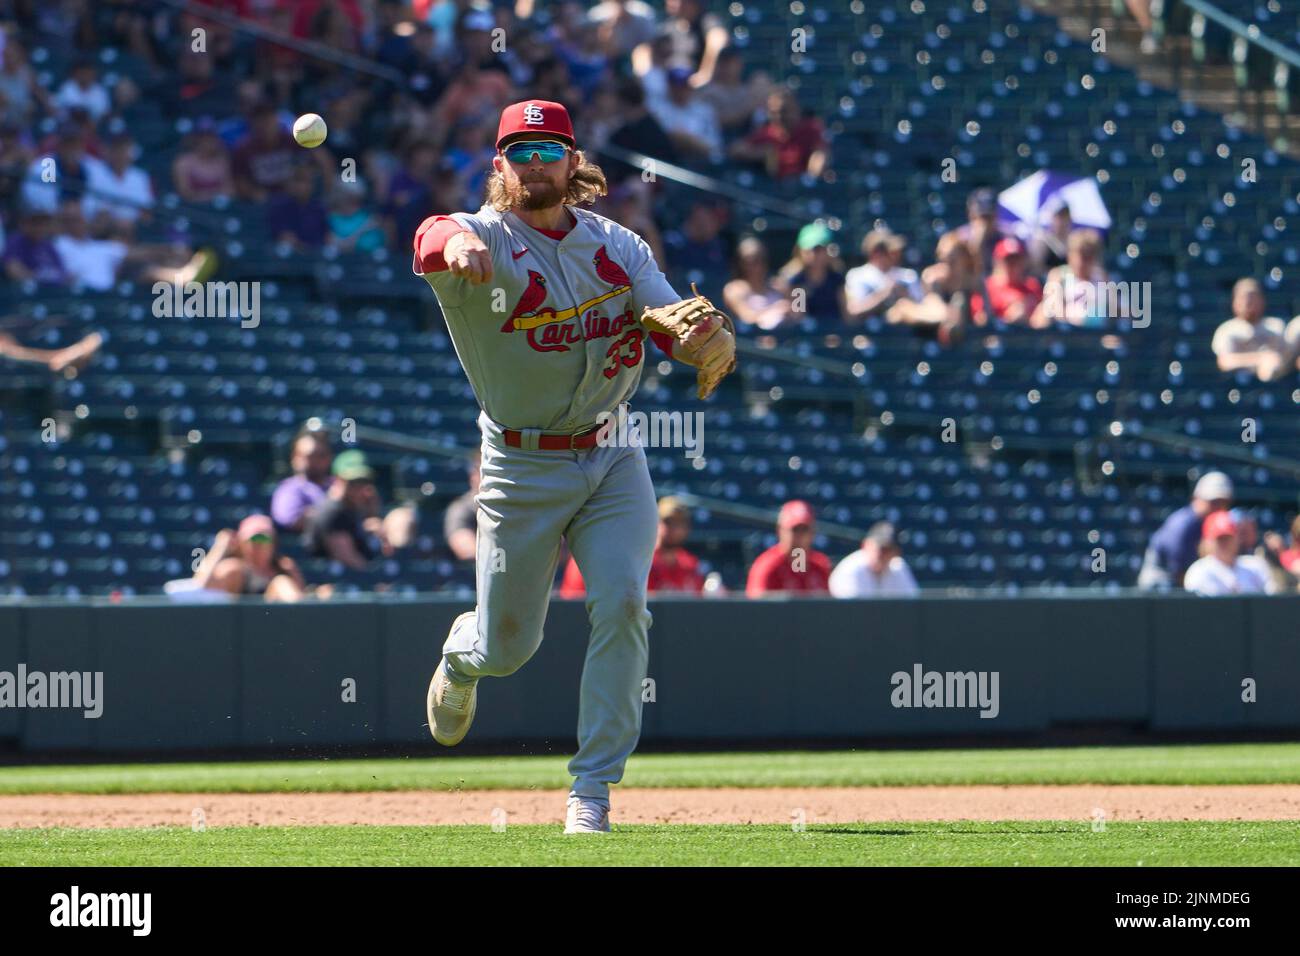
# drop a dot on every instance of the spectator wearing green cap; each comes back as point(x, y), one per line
point(814, 281)
point(341, 527)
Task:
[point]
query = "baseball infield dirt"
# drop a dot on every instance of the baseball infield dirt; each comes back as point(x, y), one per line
point(666, 805)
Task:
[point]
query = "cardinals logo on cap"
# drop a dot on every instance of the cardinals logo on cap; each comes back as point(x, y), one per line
point(535, 116)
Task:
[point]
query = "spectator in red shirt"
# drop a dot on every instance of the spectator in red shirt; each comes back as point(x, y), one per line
point(201, 172)
point(791, 564)
point(1290, 558)
point(788, 144)
point(572, 584)
point(672, 568)
point(1013, 295)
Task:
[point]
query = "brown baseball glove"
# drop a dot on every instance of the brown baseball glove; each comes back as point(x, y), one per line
point(705, 335)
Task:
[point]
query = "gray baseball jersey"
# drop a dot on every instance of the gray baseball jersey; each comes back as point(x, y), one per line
point(555, 337)
point(549, 343)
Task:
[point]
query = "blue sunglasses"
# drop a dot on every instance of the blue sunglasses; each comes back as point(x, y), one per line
point(547, 152)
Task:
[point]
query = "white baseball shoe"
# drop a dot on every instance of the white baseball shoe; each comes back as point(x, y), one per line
point(586, 816)
point(450, 707)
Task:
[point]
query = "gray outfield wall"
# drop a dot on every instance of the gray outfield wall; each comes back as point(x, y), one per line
point(258, 676)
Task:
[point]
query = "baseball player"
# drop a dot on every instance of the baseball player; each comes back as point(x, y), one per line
point(549, 307)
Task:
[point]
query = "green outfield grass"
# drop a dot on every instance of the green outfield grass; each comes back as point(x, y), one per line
point(1192, 764)
point(868, 844)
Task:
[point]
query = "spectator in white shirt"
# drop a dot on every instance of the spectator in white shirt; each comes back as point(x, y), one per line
point(99, 263)
point(1221, 572)
point(82, 88)
point(1263, 557)
point(690, 122)
point(880, 282)
point(118, 193)
point(877, 569)
point(92, 262)
point(1264, 344)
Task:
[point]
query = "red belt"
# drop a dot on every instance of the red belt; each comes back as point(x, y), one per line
point(587, 439)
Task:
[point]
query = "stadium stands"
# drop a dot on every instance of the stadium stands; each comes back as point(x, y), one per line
point(1066, 440)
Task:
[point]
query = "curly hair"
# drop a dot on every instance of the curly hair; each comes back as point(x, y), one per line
point(587, 182)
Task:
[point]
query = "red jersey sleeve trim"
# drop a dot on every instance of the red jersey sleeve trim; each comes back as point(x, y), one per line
point(430, 239)
point(664, 341)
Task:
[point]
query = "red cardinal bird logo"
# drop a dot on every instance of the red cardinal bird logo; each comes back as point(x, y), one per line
point(530, 301)
point(609, 270)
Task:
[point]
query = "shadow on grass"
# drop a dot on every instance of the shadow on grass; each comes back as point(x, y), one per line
point(955, 831)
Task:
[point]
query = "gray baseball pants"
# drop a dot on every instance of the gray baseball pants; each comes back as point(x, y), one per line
point(602, 501)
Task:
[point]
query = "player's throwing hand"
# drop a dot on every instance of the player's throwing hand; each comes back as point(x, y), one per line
point(468, 258)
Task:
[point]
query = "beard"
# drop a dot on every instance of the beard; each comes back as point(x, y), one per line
point(537, 194)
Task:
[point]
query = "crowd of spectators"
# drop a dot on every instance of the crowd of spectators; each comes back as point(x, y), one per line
point(73, 198)
point(416, 124)
point(330, 503)
point(793, 566)
point(1210, 548)
point(418, 129)
point(982, 276)
point(790, 566)
point(79, 207)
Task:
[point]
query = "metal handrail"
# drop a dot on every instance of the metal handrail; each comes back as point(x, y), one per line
point(710, 184)
point(320, 51)
point(765, 516)
point(1250, 33)
point(1221, 450)
point(843, 369)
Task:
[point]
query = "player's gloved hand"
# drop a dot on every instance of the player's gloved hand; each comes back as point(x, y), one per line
point(705, 335)
point(467, 257)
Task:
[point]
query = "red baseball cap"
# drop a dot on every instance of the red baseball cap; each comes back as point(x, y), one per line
point(535, 116)
point(1010, 246)
point(1218, 525)
point(794, 513)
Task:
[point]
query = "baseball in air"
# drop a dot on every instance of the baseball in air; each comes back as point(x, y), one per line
point(309, 130)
